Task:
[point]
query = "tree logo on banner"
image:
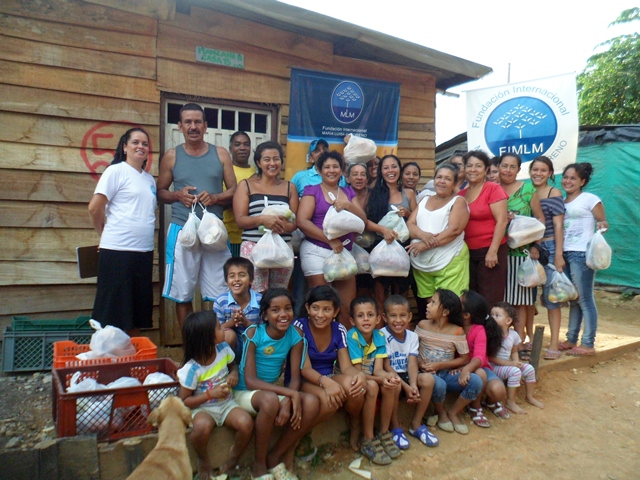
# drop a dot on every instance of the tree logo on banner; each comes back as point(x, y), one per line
point(524, 125)
point(347, 101)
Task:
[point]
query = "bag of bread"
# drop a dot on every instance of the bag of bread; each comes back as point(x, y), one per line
point(598, 253)
point(523, 231)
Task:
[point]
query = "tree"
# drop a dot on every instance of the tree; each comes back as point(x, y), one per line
point(609, 86)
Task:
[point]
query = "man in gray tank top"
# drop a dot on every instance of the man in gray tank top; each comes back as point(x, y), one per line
point(197, 171)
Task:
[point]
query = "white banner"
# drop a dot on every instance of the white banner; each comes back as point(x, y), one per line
point(538, 117)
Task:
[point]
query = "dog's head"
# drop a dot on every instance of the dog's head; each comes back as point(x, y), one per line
point(171, 405)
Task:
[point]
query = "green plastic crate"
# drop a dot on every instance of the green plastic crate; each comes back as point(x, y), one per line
point(26, 324)
point(33, 351)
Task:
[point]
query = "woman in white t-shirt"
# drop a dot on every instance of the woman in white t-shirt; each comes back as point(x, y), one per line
point(584, 214)
point(122, 211)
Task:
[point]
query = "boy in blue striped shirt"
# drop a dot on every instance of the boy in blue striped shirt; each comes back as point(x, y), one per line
point(240, 306)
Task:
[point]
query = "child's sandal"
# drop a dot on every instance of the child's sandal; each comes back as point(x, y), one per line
point(389, 445)
point(400, 438)
point(280, 472)
point(478, 417)
point(372, 449)
point(498, 410)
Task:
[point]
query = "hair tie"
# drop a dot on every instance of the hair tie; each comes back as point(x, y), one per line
point(487, 317)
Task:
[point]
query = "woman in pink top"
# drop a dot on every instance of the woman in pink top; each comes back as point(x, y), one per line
point(485, 232)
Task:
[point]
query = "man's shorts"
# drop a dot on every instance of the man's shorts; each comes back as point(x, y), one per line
point(186, 267)
point(218, 411)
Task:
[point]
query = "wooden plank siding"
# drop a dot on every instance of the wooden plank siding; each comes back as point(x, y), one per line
point(75, 75)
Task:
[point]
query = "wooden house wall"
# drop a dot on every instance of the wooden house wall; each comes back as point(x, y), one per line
point(76, 75)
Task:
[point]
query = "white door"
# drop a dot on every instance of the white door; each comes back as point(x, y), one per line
point(222, 122)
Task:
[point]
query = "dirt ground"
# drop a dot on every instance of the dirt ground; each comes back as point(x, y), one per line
point(588, 429)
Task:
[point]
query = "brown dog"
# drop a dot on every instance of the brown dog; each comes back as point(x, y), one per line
point(169, 460)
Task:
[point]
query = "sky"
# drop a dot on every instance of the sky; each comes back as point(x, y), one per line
point(538, 39)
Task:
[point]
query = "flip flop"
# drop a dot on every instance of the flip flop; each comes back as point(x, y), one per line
point(580, 352)
point(425, 436)
point(552, 354)
point(527, 346)
point(566, 346)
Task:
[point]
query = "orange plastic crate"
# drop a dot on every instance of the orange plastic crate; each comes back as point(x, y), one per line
point(64, 353)
point(115, 413)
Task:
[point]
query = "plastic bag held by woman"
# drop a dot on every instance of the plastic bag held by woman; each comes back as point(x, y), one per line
point(598, 252)
point(395, 222)
point(561, 289)
point(359, 150)
point(362, 259)
point(188, 235)
point(212, 233)
point(389, 260)
point(339, 266)
point(523, 231)
point(531, 273)
point(271, 251)
point(336, 224)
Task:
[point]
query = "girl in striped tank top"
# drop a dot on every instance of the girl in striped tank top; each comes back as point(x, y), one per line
point(441, 337)
point(252, 196)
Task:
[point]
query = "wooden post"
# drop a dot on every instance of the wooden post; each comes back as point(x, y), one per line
point(537, 347)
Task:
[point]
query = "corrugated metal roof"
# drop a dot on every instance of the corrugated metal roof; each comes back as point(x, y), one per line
point(351, 40)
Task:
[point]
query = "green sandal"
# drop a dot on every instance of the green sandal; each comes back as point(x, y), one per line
point(389, 445)
point(372, 449)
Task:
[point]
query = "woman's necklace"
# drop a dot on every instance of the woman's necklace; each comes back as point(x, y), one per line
point(331, 195)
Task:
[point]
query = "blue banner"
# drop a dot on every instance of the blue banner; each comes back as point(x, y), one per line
point(329, 106)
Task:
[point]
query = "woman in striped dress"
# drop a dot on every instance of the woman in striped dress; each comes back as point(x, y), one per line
point(252, 197)
point(523, 200)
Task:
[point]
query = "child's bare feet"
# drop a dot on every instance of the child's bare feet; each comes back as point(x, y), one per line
point(231, 462)
point(354, 435)
point(204, 470)
point(513, 406)
point(534, 401)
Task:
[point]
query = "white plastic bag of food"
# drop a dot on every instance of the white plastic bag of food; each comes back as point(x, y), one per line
point(337, 224)
point(278, 210)
point(359, 150)
point(92, 413)
point(362, 259)
point(108, 342)
point(523, 231)
point(271, 251)
point(212, 232)
point(531, 273)
point(395, 222)
point(339, 266)
point(389, 260)
point(560, 288)
point(188, 235)
point(366, 239)
point(598, 254)
point(156, 395)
